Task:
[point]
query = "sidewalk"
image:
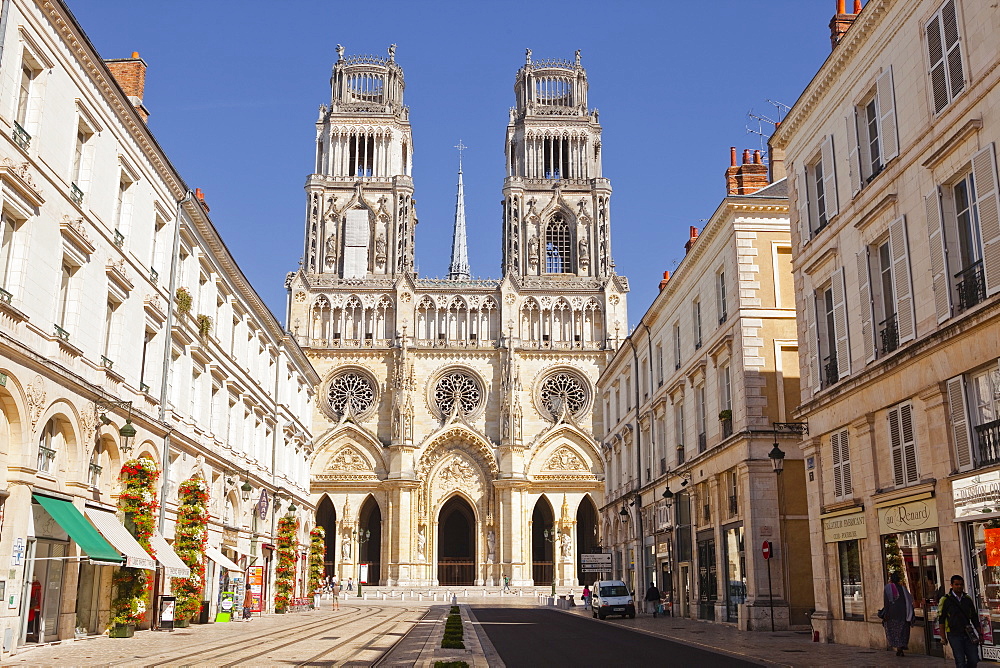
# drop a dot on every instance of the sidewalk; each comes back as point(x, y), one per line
point(782, 648)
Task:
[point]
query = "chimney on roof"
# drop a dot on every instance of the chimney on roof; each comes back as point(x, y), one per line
point(666, 277)
point(693, 237)
point(130, 73)
point(748, 177)
point(200, 196)
point(841, 21)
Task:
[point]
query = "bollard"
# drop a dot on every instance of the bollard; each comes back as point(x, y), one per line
point(454, 599)
point(466, 594)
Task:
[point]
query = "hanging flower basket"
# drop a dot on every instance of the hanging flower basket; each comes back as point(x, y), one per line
point(189, 544)
point(134, 586)
point(317, 555)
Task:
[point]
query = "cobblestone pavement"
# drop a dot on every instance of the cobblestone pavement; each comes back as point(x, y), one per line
point(783, 648)
point(356, 635)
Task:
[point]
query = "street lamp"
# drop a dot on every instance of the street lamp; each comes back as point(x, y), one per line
point(553, 537)
point(127, 431)
point(362, 538)
point(245, 490)
point(777, 456)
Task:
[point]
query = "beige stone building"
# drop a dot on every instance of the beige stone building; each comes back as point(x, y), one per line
point(891, 153)
point(453, 428)
point(93, 343)
point(690, 401)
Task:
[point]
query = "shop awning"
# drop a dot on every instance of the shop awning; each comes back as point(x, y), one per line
point(118, 535)
point(221, 559)
point(172, 564)
point(80, 530)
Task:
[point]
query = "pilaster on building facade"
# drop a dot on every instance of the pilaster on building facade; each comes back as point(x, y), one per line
point(891, 157)
point(689, 403)
point(455, 415)
point(93, 344)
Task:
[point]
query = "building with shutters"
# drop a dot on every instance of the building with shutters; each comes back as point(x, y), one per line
point(690, 401)
point(92, 340)
point(454, 425)
point(891, 157)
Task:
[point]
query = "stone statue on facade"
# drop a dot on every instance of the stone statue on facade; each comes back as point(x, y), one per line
point(421, 545)
point(345, 548)
point(491, 545)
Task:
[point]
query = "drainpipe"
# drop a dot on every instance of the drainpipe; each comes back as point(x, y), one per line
point(168, 348)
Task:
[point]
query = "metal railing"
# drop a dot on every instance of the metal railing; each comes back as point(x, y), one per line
point(143, 387)
point(680, 454)
point(107, 363)
point(831, 373)
point(45, 458)
point(153, 275)
point(456, 571)
point(21, 136)
point(119, 239)
point(988, 443)
point(61, 333)
point(75, 193)
point(888, 334)
point(5, 296)
point(971, 286)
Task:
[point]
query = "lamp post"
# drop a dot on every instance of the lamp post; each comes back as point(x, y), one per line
point(553, 537)
point(127, 431)
point(362, 538)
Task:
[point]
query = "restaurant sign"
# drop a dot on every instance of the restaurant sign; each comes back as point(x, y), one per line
point(976, 495)
point(907, 515)
point(842, 526)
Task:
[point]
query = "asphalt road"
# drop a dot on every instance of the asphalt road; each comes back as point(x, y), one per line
point(531, 638)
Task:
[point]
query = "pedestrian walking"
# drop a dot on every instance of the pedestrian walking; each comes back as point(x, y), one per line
point(960, 624)
point(335, 592)
point(506, 583)
point(897, 613)
point(652, 598)
point(586, 597)
point(247, 605)
point(350, 584)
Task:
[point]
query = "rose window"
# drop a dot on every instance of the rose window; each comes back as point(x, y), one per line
point(457, 389)
point(352, 392)
point(563, 391)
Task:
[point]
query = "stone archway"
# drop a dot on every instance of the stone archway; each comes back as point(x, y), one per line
point(370, 540)
point(456, 543)
point(542, 547)
point(326, 517)
point(586, 536)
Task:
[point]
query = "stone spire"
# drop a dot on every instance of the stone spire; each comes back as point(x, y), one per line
point(459, 267)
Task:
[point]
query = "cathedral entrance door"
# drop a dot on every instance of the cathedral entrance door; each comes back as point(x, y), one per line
point(456, 543)
point(543, 531)
point(370, 539)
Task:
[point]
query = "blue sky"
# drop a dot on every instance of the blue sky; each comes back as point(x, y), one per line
point(234, 88)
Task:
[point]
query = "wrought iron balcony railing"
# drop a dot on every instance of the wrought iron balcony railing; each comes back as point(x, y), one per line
point(61, 333)
point(830, 371)
point(21, 136)
point(119, 239)
point(5, 296)
point(888, 334)
point(45, 458)
point(971, 286)
point(988, 443)
point(75, 193)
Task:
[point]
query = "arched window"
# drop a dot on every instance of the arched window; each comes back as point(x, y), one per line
point(47, 447)
point(557, 246)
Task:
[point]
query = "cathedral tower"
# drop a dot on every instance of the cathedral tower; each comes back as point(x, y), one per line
point(360, 215)
point(555, 198)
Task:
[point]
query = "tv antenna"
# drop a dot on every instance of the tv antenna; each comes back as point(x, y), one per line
point(762, 131)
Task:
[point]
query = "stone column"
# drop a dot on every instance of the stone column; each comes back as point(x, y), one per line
point(763, 522)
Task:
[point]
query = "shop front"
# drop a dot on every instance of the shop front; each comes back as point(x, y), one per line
point(910, 543)
point(734, 555)
point(846, 530)
point(665, 579)
point(977, 510)
point(708, 577)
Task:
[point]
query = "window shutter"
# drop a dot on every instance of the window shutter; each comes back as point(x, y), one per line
point(356, 244)
point(867, 314)
point(843, 346)
point(896, 448)
point(802, 205)
point(935, 58)
point(953, 54)
point(811, 352)
point(939, 265)
point(909, 443)
point(838, 471)
point(830, 178)
point(958, 410)
point(853, 159)
point(845, 464)
point(899, 249)
point(887, 130)
point(984, 173)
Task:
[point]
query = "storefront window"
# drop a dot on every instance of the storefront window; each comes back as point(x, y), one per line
point(736, 581)
point(984, 546)
point(850, 579)
point(915, 555)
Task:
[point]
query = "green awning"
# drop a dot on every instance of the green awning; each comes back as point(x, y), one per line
point(79, 529)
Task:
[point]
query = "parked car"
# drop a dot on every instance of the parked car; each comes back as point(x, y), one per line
point(612, 597)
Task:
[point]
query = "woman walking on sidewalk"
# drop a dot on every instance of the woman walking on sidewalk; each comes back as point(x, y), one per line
point(586, 597)
point(897, 613)
point(652, 598)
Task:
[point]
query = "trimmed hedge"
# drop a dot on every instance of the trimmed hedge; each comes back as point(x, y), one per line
point(450, 664)
point(453, 632)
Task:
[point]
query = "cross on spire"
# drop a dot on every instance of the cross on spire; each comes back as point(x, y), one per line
point(461, 147)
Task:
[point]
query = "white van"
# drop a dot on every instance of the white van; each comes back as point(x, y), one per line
point(612, 597)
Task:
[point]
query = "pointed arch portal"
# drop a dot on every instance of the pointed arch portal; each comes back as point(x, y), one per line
point(542, 552)
point(456, 543)
point(586, 536)
point(326, 517)
point(370, 540)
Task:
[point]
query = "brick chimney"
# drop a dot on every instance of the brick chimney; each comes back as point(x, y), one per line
point(666, 277)
point(747, 178)
point(841, 21)
point(130, 73)
point(693, 234)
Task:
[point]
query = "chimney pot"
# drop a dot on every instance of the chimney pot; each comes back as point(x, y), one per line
point(746, 156)
point(756, 158)
point(732, 156)
point(666, 277)
point(841, 8)
point(857, 6)
point(135, 54)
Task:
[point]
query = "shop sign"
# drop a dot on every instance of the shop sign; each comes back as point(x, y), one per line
point(255, 581)
point(844, 526)
point(662, 548)
point(907, 516)
point(976, 495)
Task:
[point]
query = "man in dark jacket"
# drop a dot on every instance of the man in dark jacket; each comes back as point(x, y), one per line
point(958, 611)
point(652, 597)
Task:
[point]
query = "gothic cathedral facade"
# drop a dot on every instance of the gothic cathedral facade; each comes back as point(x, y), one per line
point(455, 417)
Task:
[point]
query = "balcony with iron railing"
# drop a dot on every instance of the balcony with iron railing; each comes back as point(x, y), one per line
point(75, 193)
point(5, 296)
point(831, 374)
point(119, 239)
point(971, 287)
point(888, 334)
point(45, 458)
point(988, 443)
point(61, 333)
point(21, 136)
point(680, 454)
